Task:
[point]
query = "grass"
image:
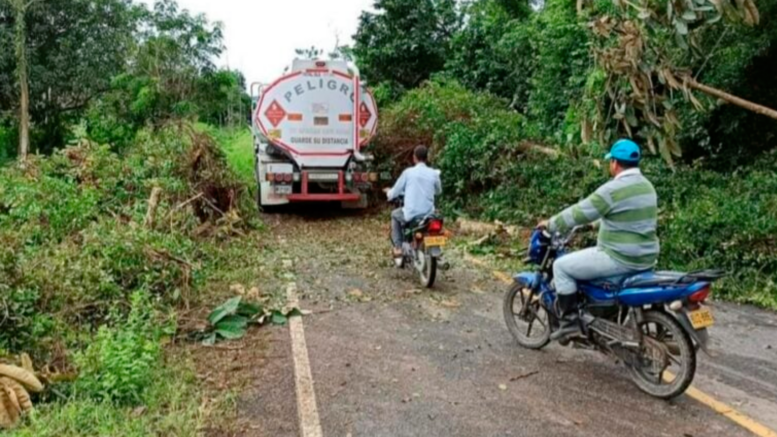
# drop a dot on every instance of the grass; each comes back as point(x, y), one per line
point(238, 146)
point(171, 408)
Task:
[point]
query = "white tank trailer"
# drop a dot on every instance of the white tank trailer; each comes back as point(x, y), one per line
point(311, 127)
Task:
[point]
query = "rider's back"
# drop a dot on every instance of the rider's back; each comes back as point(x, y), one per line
point(628, 227)
point(420, 184)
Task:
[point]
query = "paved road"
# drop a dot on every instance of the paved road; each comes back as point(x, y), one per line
point(390, 360)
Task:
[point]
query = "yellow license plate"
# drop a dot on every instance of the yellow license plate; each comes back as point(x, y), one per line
point(435, 241)
point(701, 318)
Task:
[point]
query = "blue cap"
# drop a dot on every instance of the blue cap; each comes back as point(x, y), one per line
point(626, 151)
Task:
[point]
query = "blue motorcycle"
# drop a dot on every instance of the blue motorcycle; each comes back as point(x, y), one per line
point(654, 322)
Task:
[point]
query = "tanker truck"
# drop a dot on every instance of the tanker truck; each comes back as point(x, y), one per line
point(310, 129)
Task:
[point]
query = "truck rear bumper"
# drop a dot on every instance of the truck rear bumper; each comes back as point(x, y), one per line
point(324, 197)
point(342, 194)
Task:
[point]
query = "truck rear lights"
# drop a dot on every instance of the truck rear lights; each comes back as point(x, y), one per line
point(281, 177)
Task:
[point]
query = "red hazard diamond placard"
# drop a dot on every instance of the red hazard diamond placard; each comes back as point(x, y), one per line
point(364, 115)
point(275, 113)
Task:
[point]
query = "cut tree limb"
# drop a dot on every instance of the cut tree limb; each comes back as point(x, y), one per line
point(526, 146)
point(153, 204)
point(730, 98)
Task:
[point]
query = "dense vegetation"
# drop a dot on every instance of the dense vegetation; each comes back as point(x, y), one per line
point(520, 104)
point(119, 216)
point(114, 66)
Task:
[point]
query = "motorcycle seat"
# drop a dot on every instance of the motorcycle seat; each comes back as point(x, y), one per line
point(657, 279)
point(420, 222)
point(643, 280)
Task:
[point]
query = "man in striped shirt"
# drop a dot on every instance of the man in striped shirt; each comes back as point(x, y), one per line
point(626, 208)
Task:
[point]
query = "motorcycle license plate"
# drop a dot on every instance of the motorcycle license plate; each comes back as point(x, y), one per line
point(701, 318)
point(435, 241)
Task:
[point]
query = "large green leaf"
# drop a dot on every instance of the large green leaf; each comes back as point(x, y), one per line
point(278, 318)
point(231, 334)
point(233, 323)
point(232, 327)
point(227, 309)
point(248, 309)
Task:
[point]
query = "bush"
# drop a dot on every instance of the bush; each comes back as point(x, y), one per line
point(72, 239)
point(119, 365)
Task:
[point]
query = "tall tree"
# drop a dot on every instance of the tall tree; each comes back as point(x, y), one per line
point(405, 41)
point(72, 50)
point(20, 15)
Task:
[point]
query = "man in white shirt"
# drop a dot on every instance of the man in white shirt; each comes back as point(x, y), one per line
point(419, 184)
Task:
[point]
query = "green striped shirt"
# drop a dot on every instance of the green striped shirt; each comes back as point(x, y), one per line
point(628, 209)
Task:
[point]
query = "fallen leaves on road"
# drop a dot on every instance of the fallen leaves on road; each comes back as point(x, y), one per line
point(503, 387)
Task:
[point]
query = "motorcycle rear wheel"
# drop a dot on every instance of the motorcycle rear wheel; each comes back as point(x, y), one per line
point(428, 271)
point(515, 301)
point(666, 332)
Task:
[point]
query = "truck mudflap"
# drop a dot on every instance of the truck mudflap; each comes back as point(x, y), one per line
point(342, 195)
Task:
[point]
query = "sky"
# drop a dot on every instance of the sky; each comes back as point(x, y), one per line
point(261, 35)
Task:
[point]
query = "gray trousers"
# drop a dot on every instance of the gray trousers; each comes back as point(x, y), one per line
point(585, 265)
point(397, 224)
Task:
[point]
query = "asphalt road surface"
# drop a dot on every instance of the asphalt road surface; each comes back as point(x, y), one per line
point(388, 359)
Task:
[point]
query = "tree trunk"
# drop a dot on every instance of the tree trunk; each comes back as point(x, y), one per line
point(734, 100)
point(20, 7)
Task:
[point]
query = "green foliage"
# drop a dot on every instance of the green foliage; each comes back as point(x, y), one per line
point(73, 243)
point(171, 408)
point(118, 65)
point(490, 169)
point(238, 146)
point(490, 51)
point(404, 42)
point(119, 365)
point(230, 321)
point(562, 62)
point(74, 48)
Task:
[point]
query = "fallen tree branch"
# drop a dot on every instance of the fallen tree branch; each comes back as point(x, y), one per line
point(526, 146)
point(730, 98)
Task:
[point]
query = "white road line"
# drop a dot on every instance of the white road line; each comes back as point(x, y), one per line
point(309, 422)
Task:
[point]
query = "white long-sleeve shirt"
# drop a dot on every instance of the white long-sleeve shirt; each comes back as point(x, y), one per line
point(419, 185)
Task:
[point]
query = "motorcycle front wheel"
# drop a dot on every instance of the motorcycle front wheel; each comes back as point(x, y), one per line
point(666, 363)
point(526, 319)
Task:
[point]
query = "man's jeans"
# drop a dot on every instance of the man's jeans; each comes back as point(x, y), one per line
point(585, 265)
point(397, 224)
